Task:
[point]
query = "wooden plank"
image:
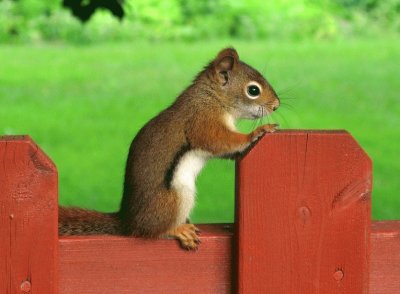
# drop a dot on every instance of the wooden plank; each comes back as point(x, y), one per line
point(106, 264)
point(385, 258)
point(303, 214)
point(79, 275)
point(28, 218)
point(310, 240)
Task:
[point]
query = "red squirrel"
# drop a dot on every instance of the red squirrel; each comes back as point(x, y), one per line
point(168, 153)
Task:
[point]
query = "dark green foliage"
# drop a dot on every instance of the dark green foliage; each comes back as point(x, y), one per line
point(32, 20)
point(84, 10)
point(382, 14)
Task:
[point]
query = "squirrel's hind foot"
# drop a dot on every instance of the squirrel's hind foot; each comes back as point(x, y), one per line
point(187, 236)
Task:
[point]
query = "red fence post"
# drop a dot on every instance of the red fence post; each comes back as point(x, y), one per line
point(303, 214)
point(28, 218)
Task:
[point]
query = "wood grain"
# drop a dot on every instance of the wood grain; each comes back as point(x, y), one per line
point(303, 214)
point(303, 226)
point(385, 258)
point(28, 218)
point(105, 264)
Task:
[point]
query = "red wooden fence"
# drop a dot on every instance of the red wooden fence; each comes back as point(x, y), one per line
point(302, 226)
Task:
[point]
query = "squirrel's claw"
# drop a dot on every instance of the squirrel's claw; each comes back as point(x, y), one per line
point(187, 236)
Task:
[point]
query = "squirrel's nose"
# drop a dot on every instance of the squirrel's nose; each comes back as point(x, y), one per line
point(275, 105)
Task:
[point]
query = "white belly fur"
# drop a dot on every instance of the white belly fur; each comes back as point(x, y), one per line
point(184, 181)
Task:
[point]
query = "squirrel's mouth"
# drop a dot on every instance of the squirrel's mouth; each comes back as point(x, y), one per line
point(256, 116)
point(261, 112)
point(254, 112)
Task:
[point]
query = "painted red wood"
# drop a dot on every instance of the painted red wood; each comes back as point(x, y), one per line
point(303, 214)
point(385, 258)
point(28, 218)
point(85, 267)
point(302, 218)
point(104, 264)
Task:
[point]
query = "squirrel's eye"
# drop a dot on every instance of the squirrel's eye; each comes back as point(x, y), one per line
point(253, 91)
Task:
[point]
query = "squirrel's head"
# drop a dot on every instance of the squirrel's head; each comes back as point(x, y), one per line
point(240, 87)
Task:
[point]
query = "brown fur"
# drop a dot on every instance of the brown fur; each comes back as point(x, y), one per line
point(77, 221)
point(196, 120)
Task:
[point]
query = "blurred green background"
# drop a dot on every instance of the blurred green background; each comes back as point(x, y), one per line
point(83, 90)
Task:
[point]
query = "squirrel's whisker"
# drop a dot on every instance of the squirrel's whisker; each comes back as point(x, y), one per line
point(282, 117)
point(288, 106)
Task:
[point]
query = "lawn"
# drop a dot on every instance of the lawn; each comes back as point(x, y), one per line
point(84, 104)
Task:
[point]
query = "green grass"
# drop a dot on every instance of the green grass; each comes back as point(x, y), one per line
point(83, 105)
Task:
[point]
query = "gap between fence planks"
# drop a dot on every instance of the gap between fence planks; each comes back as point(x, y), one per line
point(266, 252)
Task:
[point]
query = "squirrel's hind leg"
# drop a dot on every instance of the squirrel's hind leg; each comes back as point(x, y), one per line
point(161, 218)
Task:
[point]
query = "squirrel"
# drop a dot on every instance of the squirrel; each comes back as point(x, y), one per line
point(168, 153)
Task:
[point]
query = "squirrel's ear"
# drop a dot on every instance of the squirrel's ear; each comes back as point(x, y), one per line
point(226, 60)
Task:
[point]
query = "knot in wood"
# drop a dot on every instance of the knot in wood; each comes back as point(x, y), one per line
point(338, 275)
point(304, 214)
point(26, 286)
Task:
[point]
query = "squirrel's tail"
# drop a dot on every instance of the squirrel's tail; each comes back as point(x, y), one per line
point(77, 221)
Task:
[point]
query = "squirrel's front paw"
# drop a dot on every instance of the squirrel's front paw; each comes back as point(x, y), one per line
point(260, 131)
point(187, 235)
point(270, 128)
